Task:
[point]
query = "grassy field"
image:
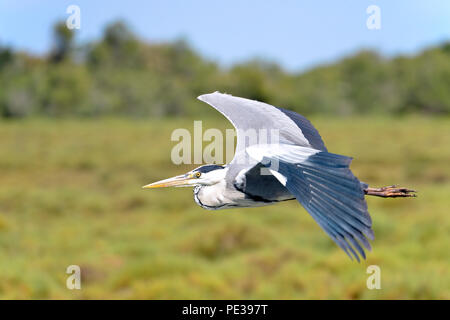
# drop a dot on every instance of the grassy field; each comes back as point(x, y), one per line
point(70, 193)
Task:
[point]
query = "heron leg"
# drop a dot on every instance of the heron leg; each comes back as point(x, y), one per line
point(390, 192)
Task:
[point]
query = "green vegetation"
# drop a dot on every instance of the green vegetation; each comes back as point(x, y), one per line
point(70, 194)
point(121, 75)
point(84, 127)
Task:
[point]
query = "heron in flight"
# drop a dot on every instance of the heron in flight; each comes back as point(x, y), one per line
point(296, 166)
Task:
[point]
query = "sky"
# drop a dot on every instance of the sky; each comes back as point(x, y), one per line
point(296, 34)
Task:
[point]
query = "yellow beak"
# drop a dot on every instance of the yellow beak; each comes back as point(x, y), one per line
point(178, 181)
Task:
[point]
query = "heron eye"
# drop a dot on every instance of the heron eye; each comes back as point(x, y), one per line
point(198, 174)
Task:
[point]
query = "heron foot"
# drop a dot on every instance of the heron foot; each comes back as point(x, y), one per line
point(391, 192)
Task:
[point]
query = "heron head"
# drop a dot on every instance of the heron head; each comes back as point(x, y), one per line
point(205, 175)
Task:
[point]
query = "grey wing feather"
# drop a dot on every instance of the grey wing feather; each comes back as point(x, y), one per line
point(325, 186)
point(310, 133)
point(247, 115)
point(322, 182)
point(261, 187)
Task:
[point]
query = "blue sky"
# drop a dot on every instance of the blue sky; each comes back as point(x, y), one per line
point(297, 34)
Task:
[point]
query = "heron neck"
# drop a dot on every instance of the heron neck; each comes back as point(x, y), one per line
point(209, 197)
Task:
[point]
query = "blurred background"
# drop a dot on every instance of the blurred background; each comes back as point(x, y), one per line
point(86, 117)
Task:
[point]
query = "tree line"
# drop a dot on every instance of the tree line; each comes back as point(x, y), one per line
point(119, 74)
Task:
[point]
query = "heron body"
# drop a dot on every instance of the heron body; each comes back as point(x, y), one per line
point(288, 161)
point(223, 195)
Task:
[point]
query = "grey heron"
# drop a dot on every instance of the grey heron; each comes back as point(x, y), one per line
point(298, 166)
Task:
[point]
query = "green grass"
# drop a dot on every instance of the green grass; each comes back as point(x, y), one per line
point(70, 193)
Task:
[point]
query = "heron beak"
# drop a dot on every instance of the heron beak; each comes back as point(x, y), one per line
point(178, 181)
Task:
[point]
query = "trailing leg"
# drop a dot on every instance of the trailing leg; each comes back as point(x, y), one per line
point(390, 192)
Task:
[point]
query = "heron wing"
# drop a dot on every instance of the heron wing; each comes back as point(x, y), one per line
point(257, 122)
point(259, 184)
point(308, 130)
point(323, 183)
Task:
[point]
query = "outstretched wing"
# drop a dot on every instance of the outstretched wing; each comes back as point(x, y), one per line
point(257, 122)
point(323, 183)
